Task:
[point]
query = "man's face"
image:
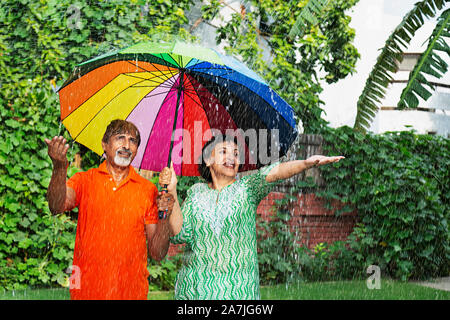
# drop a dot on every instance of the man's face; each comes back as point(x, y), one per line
point(121, 149)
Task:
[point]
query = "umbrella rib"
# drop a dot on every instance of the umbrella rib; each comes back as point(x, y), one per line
point(148, 86)
point(266, 103)
point(162, 85)
point(160, 55)
point(171, 73)
point(201, 104)
point(225, 69)
point(155, 65)
point(190, 96)
point(194, 91)
point(229, 80)
point(203, 86)
point(164, 79)
point(179, 61)
point(156, 94)
point(195, 64)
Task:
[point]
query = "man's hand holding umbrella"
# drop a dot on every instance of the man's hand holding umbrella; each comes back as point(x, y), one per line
point(168, 198)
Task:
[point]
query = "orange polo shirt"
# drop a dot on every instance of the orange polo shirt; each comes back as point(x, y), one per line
point(110, 256)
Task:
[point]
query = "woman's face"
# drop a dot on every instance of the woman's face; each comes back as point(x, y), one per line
point(224, 159)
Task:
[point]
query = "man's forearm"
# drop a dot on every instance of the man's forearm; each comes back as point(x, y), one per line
point(176, 218)
point(159, 245)
point(57, 190)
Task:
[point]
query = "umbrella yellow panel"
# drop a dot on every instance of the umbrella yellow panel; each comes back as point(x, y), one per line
point(116, 100)
point(77, 92)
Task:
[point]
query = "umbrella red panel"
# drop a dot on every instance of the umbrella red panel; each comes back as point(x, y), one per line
point(220, 119)
point(196, 130)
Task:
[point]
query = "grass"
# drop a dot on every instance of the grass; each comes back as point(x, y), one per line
point(353, 290)
point(339, 290)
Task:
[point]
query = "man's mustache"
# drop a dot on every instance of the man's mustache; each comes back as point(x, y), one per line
point(124, 150)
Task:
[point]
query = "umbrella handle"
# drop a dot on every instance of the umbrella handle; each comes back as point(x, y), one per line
point(162, 214)
point(164, 180)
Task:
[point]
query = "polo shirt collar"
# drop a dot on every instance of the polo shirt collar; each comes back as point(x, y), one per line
point(132, 174)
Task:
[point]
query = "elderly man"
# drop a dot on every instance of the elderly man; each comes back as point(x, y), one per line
point(117, 217)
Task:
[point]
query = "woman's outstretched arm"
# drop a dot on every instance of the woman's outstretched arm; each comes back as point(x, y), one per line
point(288, 169)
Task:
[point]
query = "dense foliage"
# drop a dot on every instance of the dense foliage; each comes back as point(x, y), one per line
point(277, 247)
point(398, 182)
point(296, 68)
point(40, 42)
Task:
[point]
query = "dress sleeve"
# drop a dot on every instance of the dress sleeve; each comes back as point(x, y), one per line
point(187, 210)
point(256, 183)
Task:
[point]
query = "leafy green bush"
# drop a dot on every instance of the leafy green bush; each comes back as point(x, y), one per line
point(277, 245)
point(40, 42)
point(399, 182)
point(163, 273)
point(340, 260)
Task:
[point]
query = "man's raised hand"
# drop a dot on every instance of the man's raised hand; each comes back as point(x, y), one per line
point(57, 151)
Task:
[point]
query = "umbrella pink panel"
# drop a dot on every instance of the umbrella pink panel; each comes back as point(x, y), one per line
point(144, 115)
point(156, 152)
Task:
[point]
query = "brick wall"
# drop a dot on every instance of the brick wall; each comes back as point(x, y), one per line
point(311, 221)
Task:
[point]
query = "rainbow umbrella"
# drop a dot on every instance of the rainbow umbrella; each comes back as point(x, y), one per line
point(176, 94)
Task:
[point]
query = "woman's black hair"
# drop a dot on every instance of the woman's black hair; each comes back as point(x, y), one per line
point(207, 149)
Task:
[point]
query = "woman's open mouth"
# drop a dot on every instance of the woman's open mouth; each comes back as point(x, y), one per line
point(229, 165)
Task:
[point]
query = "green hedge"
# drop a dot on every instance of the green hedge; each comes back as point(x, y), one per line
point(398, 182)
point(40, 42)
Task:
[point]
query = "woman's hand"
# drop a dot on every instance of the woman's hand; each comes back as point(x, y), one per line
point(319, 160)
point(172, 186)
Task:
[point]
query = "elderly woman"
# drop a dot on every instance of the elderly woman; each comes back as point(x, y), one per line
point(219, 223)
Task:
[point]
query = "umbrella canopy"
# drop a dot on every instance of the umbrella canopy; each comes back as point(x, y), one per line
point(175, 93)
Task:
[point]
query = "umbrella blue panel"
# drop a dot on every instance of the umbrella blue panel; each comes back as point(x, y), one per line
point(219, 73)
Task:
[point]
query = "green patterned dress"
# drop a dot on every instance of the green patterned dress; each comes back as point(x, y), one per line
point(219, 228)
